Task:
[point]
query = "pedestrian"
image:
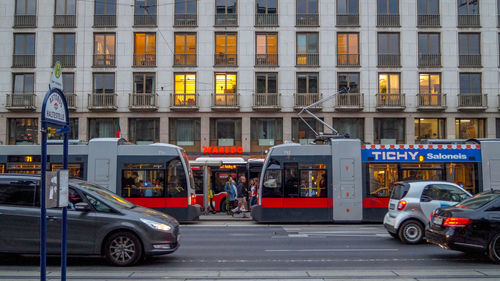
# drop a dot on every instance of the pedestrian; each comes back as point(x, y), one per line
point(253, 192)
point(211, 207)
point(242, 193)
point(230, 195)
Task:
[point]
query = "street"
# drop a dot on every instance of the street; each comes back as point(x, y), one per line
point(231, 250)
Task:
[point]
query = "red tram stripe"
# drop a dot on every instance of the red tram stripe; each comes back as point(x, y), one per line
point(181, 202)
point(297, 203)
point(375, 202)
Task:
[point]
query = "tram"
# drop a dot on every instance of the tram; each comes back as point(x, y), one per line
point(156, 176)
point(343, 180)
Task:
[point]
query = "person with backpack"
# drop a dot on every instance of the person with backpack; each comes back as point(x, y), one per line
point(230, 194)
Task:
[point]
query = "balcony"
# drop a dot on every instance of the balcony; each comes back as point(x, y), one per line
point(65, 60)
point(388, 20)
point(185, 60)
point(428, 20)
point(468, 21)
point(21, 102)
point(347, 20)
point(266, 101)
point(143, 102)
point(304, 99)
point(266, 20)
point(472, 102)
point(104, 60)
point(104, 20)
point(65, 21)
point(266, 60)
point(229, 101)
point(389, 60)
point(144, 20)
point(427, 60)
point(307, 59)
point(184, 102)
point(185, 20)
point(26, 61)
point(391, 102)
point(144, 59)
point(349, 102)
point(226, 19)
point(431, 102)
point(226, 60)
point(348, 60)
point(25, 21)
point(469, 60)
point(307, 20)
point(71, 101)
point(102, 102)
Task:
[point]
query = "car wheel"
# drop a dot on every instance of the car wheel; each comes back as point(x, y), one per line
point(123, 249)
point(223, 206)
point(411, 232)
point(494, 249)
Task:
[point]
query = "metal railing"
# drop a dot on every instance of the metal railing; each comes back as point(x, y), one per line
point(70, 100)
point(307, 20)
point(185, 20)
point(65, 60)
point(64, 20)
point(469, 60)
point(472, 101)
point(23, 60)
point(226, 19)
point(266, 100)
point(21, 101)
point(353, 101)
point(144, 20)
point(266, 59)
point(143, 101)
point(428, 20)
point(308, 59)
point(389, 60)
point(104, 20)
point(185, 60)
point(266, 20)
point(468, 21)
point(428, 60)
point(144, 59)
point(347, 20)
point(395, 101)
point(347, 59)
point(225, 100)
point(25, 21)
point(305, 99)
point(182, 100)
point(429, 100)
point(100, 101)
point(387, 20)
point(104, 60)
point(226, 59)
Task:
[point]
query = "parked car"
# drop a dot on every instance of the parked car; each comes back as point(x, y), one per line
point(412, 202)
point(99, 223)
point(471, 226)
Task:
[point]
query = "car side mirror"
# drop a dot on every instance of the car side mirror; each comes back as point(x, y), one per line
point(82, 207)
point(425, 198)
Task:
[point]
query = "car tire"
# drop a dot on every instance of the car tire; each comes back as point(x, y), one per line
point(494, 249)
point(411, 232)
point(123, 249)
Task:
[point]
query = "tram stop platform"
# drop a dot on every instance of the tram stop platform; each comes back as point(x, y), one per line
point(220, 216)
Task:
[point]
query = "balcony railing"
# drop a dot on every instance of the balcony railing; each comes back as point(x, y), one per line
point(428, 60)
point(182, 101)
point(266, 59)
point(391, 101)
point(429, 101)
point(185, 60)
point(104, 20)
point(307, 59)
point(225, 101)
point(472, 101)
point(65, 21)
point(226, 60)
point(65, 60)
point(387, 20)
point(144, 20)
point(143, 101)
point(307, 20)
point(104, 102)
point(266, 101)
point(25, 21)
point(469, 60)
point(305, 99)
point(347, 20)
point(226, 19)
point(23, 60)
point(389, 60)
point(104, 60)
point(182, 20)
point(349, 101)
point(71, 100)
point(428, 20)
point(266, 20)
point(144, 59)
point(21, 101)
point(347, 59)
point(468, 21)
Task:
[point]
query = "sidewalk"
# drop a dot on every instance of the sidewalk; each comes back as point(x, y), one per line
point(220, 216)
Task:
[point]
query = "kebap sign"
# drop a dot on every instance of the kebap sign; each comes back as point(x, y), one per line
point(421, 153)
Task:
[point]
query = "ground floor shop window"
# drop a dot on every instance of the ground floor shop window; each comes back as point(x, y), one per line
point(103, 127)
point(389, 130)
point(144, 131)
point(354, 127)
point(265, 132)
point(185, 133)
point(301, 133)
point(470, 128)
point(225, 132)
point(426, 128)
point(23, 131)
point(73, 133)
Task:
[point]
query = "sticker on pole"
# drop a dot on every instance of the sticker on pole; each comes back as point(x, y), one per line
point(54, 109)
point(56, 80)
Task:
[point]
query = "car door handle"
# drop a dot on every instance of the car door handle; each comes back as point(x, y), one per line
point(52, 218)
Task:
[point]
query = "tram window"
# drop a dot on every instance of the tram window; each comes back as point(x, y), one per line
point(422, 172)
point(176, 179)
point(291, 180)
point(313, 184)
point(74, 170)
point(382, 178)
point(272, 184)
point(143, 183)
point(463, 174)
point(19, 193)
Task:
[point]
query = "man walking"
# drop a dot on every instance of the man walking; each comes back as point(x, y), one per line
point(242, 194)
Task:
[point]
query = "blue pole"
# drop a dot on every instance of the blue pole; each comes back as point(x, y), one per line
point(64, 213)
point(43, 211)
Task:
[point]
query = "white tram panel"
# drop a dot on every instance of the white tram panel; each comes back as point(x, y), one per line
point(490, 157)
point(102, 161)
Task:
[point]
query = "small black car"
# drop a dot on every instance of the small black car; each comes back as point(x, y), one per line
point(471, 226)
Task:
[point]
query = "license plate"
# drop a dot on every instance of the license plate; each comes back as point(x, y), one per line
point(437, 220)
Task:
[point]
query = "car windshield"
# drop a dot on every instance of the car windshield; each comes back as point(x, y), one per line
point(105, 194)
point(478, 201)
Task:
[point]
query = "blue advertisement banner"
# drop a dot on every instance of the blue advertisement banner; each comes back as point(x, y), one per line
point(420, 155)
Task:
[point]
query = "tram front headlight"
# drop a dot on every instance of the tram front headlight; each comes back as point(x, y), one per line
point(157, 225)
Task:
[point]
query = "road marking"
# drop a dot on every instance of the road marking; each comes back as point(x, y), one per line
point(334, 250)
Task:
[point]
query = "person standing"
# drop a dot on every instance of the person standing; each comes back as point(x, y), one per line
point(230, 195)
point(242, 194)
point(253, 192)
point(211, 207)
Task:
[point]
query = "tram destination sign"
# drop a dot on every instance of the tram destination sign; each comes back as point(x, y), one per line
point(414, 153)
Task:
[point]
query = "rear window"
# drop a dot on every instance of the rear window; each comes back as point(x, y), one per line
point(399, 191)
point(17, 192)
point(478, 201)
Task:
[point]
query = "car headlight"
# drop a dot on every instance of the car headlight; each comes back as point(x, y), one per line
point(157, 225)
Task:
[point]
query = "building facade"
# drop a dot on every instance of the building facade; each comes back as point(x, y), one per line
point(235, 73)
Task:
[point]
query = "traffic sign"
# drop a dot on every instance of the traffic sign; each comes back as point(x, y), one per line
point(55, 109)
point(56, 81)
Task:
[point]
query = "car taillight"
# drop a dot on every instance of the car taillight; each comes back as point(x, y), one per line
point(458, 222)
point(402, 204)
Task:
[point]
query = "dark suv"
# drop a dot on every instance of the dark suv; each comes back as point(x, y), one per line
point(99, 223)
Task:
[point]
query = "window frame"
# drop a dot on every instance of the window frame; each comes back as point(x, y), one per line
point(185, 79)
point(186, 3)
point(24, 35)
point(428, 36)
point(266, 35)
point(307, 82)
point(24, 82)
point(468, 42)
point(225, 82)
point(65, 7)
point(104, 82)
point(146, 13)
point(388, 40)
point(388, 8)
point(226, 8)
point(307, 7)
point(348, 12)
point(133, 136)
point(115, 121)
point(430, 74)
point(378, 129)
point(65, 41)
point(348, 74)
point(440, 125)
point(307, 34)
point(105, 36)
point(389, 82)
point(469, 74)
point(185, 36)
point(468, 7)
point(266, 74)
point(144, 75)
point(16, 12)
point(106, 4)
point(427, 2)
point(267, 8)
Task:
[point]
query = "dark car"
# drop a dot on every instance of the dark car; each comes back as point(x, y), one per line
point(471, 226)
point(99, 223)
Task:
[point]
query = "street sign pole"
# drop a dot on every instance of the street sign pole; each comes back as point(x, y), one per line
point(64, 225)
point(43, 211)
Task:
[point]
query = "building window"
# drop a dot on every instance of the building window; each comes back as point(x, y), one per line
point(105, 7)
point(185, 89)
point(301, 133)
point(426, 128)
point(266, 83)
point(267, 49)
point(348, 80)
point(68, 83)
point(469, 49)
point(103, 127)
point(353, 127)
point(307, 49)
point(23, 131)
point(225, 89)
point(64, 49)
point(144, 83)
point(104, 49)
point(347, 7)
point(185, 13)
point(428, 7)
point(468, 7)
point(25, 7)
point(104, 83)
point(185, 132)
point(144, 131)
point(472, 128)
point(225, 49)
point(265, 132)
point(24, 50)
point(388, 7)
point(429, 83)
point(429, 50)
point(225, 132)
point(388, 50)
point(307, 83)
point(498, 127)
point(226, 12)
point(307, 13)
point(185, 49)
point(23, 83)
point(470, 83)
point(388, 83)
point(145, 13)
point(65, 7)
point(266, 13)
point(347, 49)
point(73, 126)
point(389, 130)
point(145, 49)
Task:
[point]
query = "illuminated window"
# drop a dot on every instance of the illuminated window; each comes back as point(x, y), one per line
point(145, 49)
point(104, 49)
point(185, 49)
point(470, 128)
point(23, 131)
point(185, 89)
point(267, 49)
point(430, 83)
point(388, 83)
point(382, 178)
point(426, 128)
point(225, 89)
point(225, 49)
point(307, 49)
point(347, 49)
